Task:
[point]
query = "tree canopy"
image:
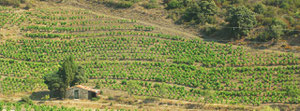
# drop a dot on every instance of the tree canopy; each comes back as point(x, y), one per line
point(201, 12)
point(241, 20)
point(69, 74)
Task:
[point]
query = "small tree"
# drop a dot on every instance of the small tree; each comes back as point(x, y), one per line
point(241, 20)
point(201, 12)
point(273, 30)
point(259, 8)
point(68, 75)
point(172, 4)
point(26, 100)
point(14, 3)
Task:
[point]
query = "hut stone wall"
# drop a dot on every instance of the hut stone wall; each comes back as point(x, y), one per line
point(82, 94)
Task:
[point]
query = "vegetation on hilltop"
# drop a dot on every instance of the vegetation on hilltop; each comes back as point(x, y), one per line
point(270, 19)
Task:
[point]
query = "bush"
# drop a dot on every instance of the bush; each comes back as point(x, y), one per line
point(120, 4)
point(111, 98)
point(174, 4)
point(28, 6)
point(264, 36)
point(124, 82)
point(273, 31)
point(151, 4)
point(241, 19)
point(259, 8)
point(46, 97)
point(96, 99)
point(124, 4)
point(208, 30)
point(201, 12)
point(150, 100)
point(15, 3)
point(26, 100)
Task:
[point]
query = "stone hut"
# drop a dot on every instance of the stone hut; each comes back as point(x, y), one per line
point(81, 92)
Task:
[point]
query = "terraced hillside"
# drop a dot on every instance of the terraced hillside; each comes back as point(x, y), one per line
point(141, 59)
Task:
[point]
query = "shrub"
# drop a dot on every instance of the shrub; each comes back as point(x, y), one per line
point(28, 6)
point(26, 100)
point(124, 82)
point(95, 98)
point(14, 3)
point(124, 4)
point(201, 12)
point(46, 97)
point(174, 4)
point(208, 30)
point(242, 20)
point(274, 30)
point(259, 8)
point(120, 4)
point(111, 98)
point(151, 4)
point(150, 100)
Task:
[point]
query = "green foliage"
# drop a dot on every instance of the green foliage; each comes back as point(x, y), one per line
point(120, 3)
point(208, 30)
point(294, 100)
point(184, 61)
point(259, 8)
point(26, 100)
point(150, 100)
point(13, 106)
point(46, 97)
point(201, 12)
point(174, 4)
point(151, 4)
point(68, 75)
point(15, 3)
point(95, 98)
point(293, 92)
point(208, 95)
point(241, 19)
point(285, 4)
point(273, 31)
point(124, 82)
point(1, 107)
point(132, 87)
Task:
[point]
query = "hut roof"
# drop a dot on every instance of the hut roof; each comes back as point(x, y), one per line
point(86, 88)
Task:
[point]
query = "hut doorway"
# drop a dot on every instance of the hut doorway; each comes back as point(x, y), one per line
point(92, 95)
point(76, 94)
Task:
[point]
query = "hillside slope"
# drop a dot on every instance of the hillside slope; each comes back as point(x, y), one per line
point(139, 57)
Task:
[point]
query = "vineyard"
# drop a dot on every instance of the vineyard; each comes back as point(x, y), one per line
point(8, 106)
point(140, 59)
